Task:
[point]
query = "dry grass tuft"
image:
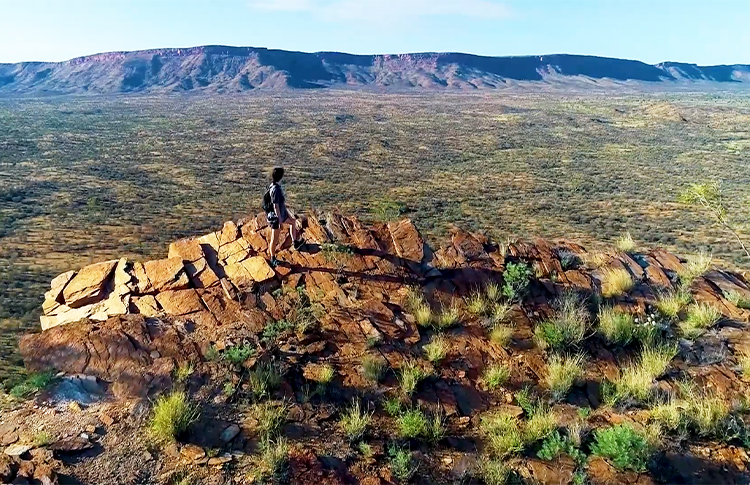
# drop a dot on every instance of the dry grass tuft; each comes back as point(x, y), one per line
point(616, 282)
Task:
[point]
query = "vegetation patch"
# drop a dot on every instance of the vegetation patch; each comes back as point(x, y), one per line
point(622, 446)
point(354, 421)
point(568, 325)
point(562, 372)
point(615, 326)
point(616, 282)
point(172, 415)
point(516, 278)
point(700, 317)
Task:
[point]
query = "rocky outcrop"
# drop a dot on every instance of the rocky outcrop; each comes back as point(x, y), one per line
point(218, 289)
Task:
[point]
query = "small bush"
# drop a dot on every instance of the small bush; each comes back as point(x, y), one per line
point(448, 317)
point(373, 368)
point(500, 313)
point(596, 259)
point(696, 265)
point(402, 463)
point(435, 429)
point(410, 376)
point(562, 372)
point(637, 380)
point(183, 372)
point(172, 415)
point(238, 354)
point(737, 299)
point(502, 434)
point(393, 406)
point(324, 375)
point(539, 425)
point(423, 315)
point(33, 384)
point(275, 455)
point(354, 422)
point(616, 282)
point(743, 360)
point(263, 380)
point(414, 298)
point(516, 279)
point(700, 317)
point(625, 243)
point(273, 331)
point(623, 446)
point(437, 349)
point(555, 445)
point(270, 418)
point(568, 259)
point(496, 375)
point(707, 413)
point(492, 292)
point(669, 414)
point(615, 326)
point(412, 423)
point(493, 472)
point(669, 305)
point(477, 305)
point(43, 438)
point(567, 326)
point(501, 335)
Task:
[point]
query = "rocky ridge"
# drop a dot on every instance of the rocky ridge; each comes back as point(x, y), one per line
point(131, 325)
point(240, 69)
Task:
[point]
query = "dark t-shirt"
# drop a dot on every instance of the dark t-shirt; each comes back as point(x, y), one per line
point(278, 197)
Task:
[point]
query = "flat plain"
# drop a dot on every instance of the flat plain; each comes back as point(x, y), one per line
point(84, 179)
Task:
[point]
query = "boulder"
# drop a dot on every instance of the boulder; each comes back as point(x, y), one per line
point(245, 273)
point(186, 249)
point(201, 274)
point(163, 275)
point(54, 297)
point(407, 240)
point(89, 285)
point(180, 302)
point(145, 305)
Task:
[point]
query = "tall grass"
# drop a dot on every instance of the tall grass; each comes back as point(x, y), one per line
point(172, 415)
point(567, 326)
point(616, 282)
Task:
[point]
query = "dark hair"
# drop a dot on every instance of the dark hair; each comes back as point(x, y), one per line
point(277, 174)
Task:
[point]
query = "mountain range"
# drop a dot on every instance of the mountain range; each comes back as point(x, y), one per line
point(224, 69)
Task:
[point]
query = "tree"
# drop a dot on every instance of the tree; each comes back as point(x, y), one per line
point(708, 196)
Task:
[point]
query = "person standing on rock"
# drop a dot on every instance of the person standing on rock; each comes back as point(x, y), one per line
point(274, 204)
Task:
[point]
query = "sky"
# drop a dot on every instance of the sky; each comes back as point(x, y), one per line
point(705, 32)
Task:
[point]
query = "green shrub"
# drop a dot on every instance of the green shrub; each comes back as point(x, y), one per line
point(516, 279)
point(393, 406)
point(477, 305)
point(616, 282)
point(387, 210)
point(412, 423)
point(448, 317)
point(562, 372)
point(696, 265)
point(263, 380)
point(623, 446)
point(737, 299)
point(502, 434)
point(172, 415)
point(410, 376)
point(423, 314)
point(437, 349)
point(184, 371)
point(402, 463)
point(541, 423)
point(669, 305)
point(239, 353)
point(493, 472)
point(43, 438)
point(492, 292)
point(567, 326)
point(354, 422)
point(700, 317)
point(615, 326)
point(501, 335)
point(275, 456)
point(435, 429)
point(270, 417)
point(625, 243)
point(555, 445)
point(33, 383)
point(273, 331)
point(373, 367)
point(496, 375)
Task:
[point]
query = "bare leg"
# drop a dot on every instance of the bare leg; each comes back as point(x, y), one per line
point(293, 229)
point(274, 242)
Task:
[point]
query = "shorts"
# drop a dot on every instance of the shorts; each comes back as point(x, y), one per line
point(273, 220)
